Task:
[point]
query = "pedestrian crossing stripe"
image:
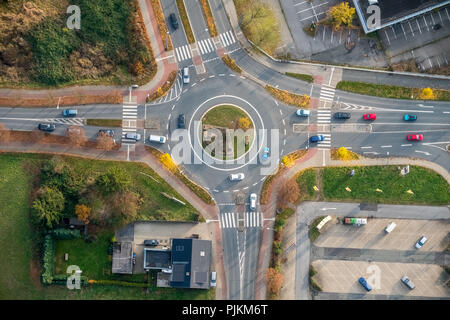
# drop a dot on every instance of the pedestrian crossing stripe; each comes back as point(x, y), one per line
point(227, 38)
point(327, 93)
point(73, 121)
point(251, 220)
point(206, 46)
point(183, 53)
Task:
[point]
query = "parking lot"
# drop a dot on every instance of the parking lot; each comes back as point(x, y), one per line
point(342, 277)
point(373, 236)
point(412, 34)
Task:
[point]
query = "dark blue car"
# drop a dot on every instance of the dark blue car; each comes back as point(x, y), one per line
point(69, 113)
point(365, 284)
point(317, 138)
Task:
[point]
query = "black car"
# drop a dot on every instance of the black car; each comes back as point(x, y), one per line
point(173, 21)
point(342, 115)
point(181, 122)
point(152, 242)
point(46, 127)
point(437, 26)
point(108, 132)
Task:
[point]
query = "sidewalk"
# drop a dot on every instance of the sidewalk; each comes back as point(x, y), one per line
point(314, 158)
point(164, 67)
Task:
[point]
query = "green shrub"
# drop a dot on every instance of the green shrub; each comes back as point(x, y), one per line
point(61, 279)
point(47, 260)
point(66, 234)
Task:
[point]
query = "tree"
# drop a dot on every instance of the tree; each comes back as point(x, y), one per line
point(288, 160)
point(125, 205)
point(105, 142)
point(244, 123)
point(427, 94)
point(288, 193)
point(274, 281)
point(4, 133)
point(138, 68)
point(83, 212)
point(167, 161)
point(49, 205)
point(114, 180)
point(76, 135)
point(342, 13)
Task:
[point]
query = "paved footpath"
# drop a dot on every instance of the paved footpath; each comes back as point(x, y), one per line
point(165, 65)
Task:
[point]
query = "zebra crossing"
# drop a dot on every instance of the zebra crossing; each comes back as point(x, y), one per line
point(129, 120)
point(251, 220)
point(173, 94)
point(327, 93)
point(227, 38)
point(205, 46)
point(323, 116)
point(326, 143)
point(183, 52)
point(72, 121)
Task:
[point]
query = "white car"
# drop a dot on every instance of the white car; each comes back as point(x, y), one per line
point(186, 78)
point(421, 242)
point(213, 279)
point(237, 176)
point(253, 198)
point(133, 136)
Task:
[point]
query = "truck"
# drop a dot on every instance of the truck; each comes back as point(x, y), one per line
point(355, 221)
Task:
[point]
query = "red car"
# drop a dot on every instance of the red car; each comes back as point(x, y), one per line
point(370, 116)
point(417, 137)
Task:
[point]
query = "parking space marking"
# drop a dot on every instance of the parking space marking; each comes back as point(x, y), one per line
point(404, 31)
point(432, 18)
point(411, 28)
point(387, 37)
point(300, 3)
point(417, 21)
point(323, 38)
point(448, 16)
point(440, 17)
point(426, 24)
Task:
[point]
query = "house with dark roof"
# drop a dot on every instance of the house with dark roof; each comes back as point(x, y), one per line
point(393, 11)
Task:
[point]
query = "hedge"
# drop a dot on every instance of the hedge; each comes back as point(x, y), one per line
point(62, 279)
point(66, 234)
point(119, 283)
point(47, 259)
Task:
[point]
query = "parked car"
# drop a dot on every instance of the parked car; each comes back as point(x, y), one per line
point(437, 26)
point(237, 176)
point(108, 132)
point(181, 121)
point(46, 127)
point(410, 117)
point(408, 282)
point(253, 198)
point(186, 78)
point(213, 279)
point(365, 284)
point(173, 20)
point(69, 113)
point(266, 152)
point(303, 113)
point(370, 116)
point(415, 137)
point(390, 227)
point(317, 138)
point(152, 242)
point(342, 115)
point(133, 136)
point(421, 242)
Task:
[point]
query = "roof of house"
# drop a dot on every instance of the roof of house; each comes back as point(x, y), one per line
point(191, 260)
point(156, 258)
point(394, 11)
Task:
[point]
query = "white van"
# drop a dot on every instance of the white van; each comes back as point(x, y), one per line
point(159, 139)
point(213, 279)
point(186, 78)
point(391, 226)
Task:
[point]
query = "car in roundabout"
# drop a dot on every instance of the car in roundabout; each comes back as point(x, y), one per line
point(415, 137)
point(370, 116)
point(237, 177)
point(266, 153)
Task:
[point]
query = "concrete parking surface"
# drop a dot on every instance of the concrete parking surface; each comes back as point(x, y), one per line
point(342, 277)
point(373, 236)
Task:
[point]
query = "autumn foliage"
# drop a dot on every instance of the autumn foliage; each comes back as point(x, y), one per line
point(344, 154)
point(76, 135)
point(167, 161)
point(288, 193)
point(287, 97)
point(83, 212)
point(209, 18)
point(105, 142)
point(274, 281)
point(427, 94)
point(342, 14)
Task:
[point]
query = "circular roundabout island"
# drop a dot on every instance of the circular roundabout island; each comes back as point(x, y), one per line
point(227, 132)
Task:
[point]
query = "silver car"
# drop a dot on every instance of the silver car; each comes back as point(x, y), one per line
point(237, 176)
point(133, 136)
point(253, 198)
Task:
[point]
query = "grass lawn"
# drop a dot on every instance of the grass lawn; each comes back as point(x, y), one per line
point(301, 76)
point(224, 116)
point(20, 279)
point(428, 186)
point(306, 180)
point(387, 91)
